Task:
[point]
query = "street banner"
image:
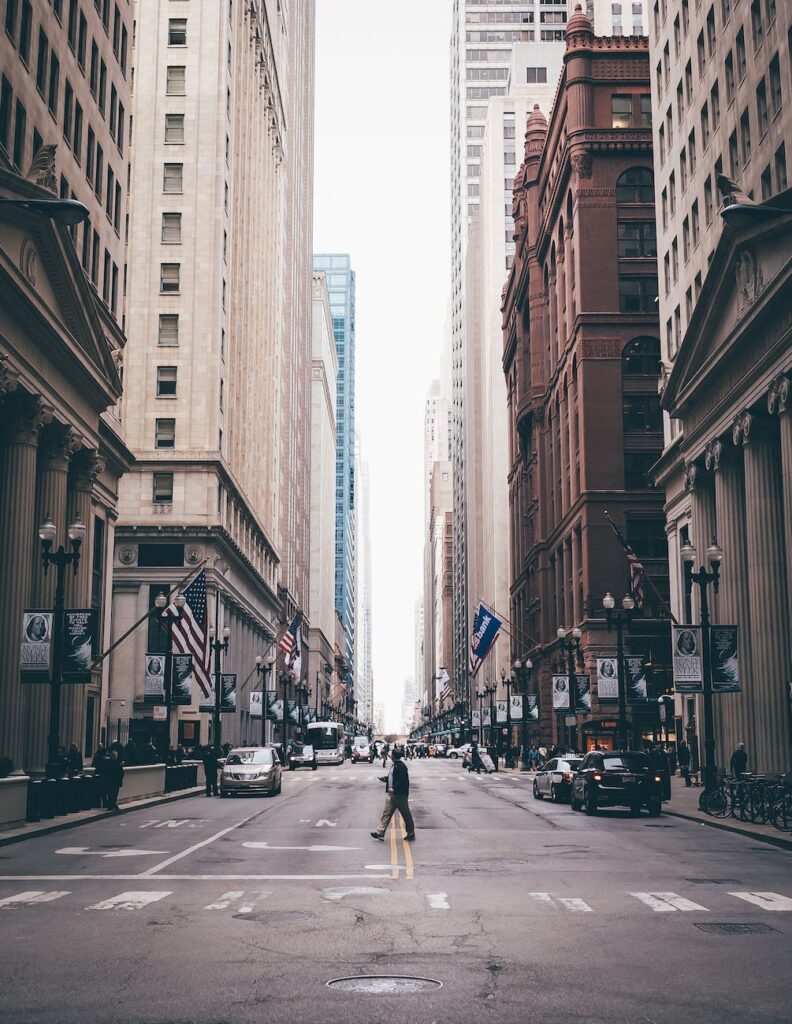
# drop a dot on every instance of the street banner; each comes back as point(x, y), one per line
point(532, 707)
point(686, 656)
point(637, 688)
point(486, 717)
point(228, 693)
point(607, 680)
point(272, 711)
point(486, 628)
point(475, 720)
point(306, 713)
point(160, 713)
point(181, 680)
point(79, 643)
point(154, 682)
point(255, 703)
point(35, 651)
point(582, 695)
point(502, 711)
point(516, 706)
point(207, 700)
point(723, 657)
point(561, 693)
point(292, 710)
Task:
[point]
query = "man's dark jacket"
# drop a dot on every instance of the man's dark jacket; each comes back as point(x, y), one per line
point(401, 779)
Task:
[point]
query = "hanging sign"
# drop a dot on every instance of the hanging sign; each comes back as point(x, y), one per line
point(516, 706)
point(35, 649)
point(607, 680)
point(637, 687)
point(159, 713)
point(486, 717)
point(228, 693)
point(181, 680)
point(207, 701)
point(475, 720)
point(292, 710)
point(154, 682)
point(255, 703)
point(561, 693)
point(79, 642)
point(274, 706)
point(686, 655)
point(582, 695)
point(723, 658)
point(502, 711)
point(532, 707)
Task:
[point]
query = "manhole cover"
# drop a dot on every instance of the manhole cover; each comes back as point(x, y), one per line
point(737, 929)
point(384, 984)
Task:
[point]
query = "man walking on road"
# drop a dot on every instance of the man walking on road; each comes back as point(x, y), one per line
point(397, 788)
point(739, 761)
point(210, 771)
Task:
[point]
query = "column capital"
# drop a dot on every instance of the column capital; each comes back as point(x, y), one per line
point(713, 455)
point(27, 416)
point(744, 423)
point(9, 376)
point(87, 464)
point(779, 395)
point(58, 443)
point(691, 476)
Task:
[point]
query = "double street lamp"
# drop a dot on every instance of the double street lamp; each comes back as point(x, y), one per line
point(60, 559)
point(702, 579)
point(622, 617)
point(570, 643)
point(522, 674)
point(220, 647)
point(263, 669)
point(166, 621)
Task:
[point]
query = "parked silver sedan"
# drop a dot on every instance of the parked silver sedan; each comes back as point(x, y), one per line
point(251, 770)
point(554, 778)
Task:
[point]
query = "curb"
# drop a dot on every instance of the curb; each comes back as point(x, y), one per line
point(133, 805)
point(778, 841)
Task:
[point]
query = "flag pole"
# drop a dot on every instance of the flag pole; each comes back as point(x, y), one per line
point(661, 600)
point(511, 629)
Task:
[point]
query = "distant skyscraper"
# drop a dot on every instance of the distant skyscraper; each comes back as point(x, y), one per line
point(364, 682)
point(341, 289)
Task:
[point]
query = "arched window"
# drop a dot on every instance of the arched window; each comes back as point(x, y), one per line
point(635, 185)
point(642, 419)
point(641, 357)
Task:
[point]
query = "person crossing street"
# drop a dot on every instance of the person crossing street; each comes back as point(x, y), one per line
point(397, 789)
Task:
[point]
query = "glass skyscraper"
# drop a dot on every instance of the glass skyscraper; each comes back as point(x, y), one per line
point(341, 288)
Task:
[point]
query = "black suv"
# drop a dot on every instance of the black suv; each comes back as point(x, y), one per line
point(617, 778)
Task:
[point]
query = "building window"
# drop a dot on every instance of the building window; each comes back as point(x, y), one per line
point(163, 489)
point(711, 34)
point(20, 123)
point(635, 185)
point(168, 329)
point(776, 96)
point(767, 183)
point(169, 277)
point(694, 223)
point(165, 433)
point(166, 382)
point(175, 83)
point(705, 128)
point(637, 239)
point(729, 68)
point(638, 294)
point(756, 24)
point(646, 110)
point(761, 107)
point(172, 178)
point(41, 62)
point(174, 128)
point(741, 64)
point(25, 31)
point(177, 32)
point(745, 136)
point(781, 169)
point(621, 111)
point(715, 105)
point(537, 75)
point(708, 210)
point(171, 228)
point(82, 42)
point(734, 156)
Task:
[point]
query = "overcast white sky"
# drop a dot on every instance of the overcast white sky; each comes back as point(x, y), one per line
point(382, 195)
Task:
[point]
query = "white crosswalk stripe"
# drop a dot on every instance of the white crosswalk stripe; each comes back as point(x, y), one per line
point(237, 896)
point(572, 903)
point(130, 900)
point(765, 900)
point(666, 902)
point(225, 900)
point(30, 898)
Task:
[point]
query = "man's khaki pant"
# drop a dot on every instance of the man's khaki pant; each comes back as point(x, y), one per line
point(396, 802)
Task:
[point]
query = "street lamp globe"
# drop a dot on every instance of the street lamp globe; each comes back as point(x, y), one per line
point(180, 600)
point(226, 632)
point(160, 600)
point(517, 664)
point(687, 553)
point(211, 632)
point(576, 634)
point(48, 531)
point(270, 660)
point(560, 632)
point(77, 531)
point(609, 602)
point(528, 664)
point(714, 553)
point(628, 603)
point(259, 659)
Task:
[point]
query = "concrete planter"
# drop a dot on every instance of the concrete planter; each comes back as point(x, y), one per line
point(142, 781)
point(13, 801)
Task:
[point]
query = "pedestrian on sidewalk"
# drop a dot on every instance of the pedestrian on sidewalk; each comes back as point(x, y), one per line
point(112, 774)
point(739, 761)
point(476, 764)
point(397, 790)
point(683, 756)
point(75, 760)
point(385, 749)
point(210, 771)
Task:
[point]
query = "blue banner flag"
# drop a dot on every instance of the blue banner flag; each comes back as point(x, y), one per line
point(486, 628)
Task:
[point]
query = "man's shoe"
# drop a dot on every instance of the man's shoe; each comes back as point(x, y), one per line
point(410, 838)
point(378, 835)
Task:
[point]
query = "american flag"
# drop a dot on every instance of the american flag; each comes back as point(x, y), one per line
point(637, 571)
point(189, 630)
point(288, 642)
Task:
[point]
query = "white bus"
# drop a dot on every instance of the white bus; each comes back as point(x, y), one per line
point(327, 739)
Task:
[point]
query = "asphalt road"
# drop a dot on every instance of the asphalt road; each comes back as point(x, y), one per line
point(242, 910)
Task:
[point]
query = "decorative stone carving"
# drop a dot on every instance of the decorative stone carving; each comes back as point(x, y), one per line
point(748, 275)
point(690, 475)
point(42, 168)
point(193, 554)
point(778, 395)
point(582, 164)
point(744, 423)
point(127, 555)
point(9, 377)
point(32, 415)
point(88, 465)
point(713, 455)
point(28, 260)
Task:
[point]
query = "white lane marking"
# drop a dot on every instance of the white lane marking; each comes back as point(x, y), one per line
point(339, 892)
point(575, 904)
point(438, 901)
point(313, 849)
point(765, 900)
point(541, 897)
point(84, 851)
point(666, 902)
point(173, 823)
point(225, 900)
point(197, 846)
point(381, 867)
point(324, 823)
point(132, 900)
point(188, 878)
point(305, 821)
point(29, 898)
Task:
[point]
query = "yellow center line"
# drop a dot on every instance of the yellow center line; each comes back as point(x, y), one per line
point(394, 849)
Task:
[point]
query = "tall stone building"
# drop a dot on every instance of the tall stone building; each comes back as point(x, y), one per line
point(64, 132)
point(219, 290)
point(364, 657)
point(720, 95)
point(582, 363)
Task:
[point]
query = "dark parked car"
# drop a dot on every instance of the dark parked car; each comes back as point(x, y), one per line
point(617, 778)
point(302, 755)
point(554, 778)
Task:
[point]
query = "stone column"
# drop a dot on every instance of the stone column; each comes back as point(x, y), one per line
point(767, 590)
point(734, 712)
point(18, 535)
point(779, 400)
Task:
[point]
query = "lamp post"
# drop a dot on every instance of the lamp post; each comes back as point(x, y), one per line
point(702, 578)
point(522, 671)
point(63, 211)
point(285, 679)
point(60, 559)
point(570, 642)
point(622, 618)
point(219, 647)
point(507, 681)
point(480, 694)
point(166, 620)
point(263, 669)
point(492, 690)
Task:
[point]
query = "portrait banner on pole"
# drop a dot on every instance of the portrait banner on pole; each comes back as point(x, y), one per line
point(686, 656)
point(502, 711)
point(154, 681)
point(516, 706)
point(207, 700)
point(607, 680)
point(35, 650)
point(561, 700)
point(486, 717)
point(475, 719)
point(255, 703)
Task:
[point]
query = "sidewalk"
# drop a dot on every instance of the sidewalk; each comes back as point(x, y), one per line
point(44, 828)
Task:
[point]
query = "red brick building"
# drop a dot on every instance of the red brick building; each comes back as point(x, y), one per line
point(582, 362)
